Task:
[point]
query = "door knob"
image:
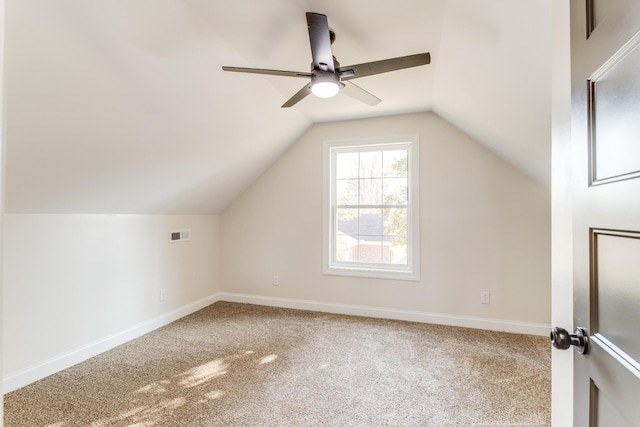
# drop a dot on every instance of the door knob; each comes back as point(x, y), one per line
point(562, 340)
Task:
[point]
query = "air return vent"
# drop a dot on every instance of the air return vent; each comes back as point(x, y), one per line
point(180, 235)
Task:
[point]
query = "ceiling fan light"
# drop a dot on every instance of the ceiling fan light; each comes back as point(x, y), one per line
point(325, 89)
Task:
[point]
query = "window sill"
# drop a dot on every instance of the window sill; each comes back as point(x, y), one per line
point(372, 273)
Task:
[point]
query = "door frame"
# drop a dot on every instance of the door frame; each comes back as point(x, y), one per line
point(561, 212)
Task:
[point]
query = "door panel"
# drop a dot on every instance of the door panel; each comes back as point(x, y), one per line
point(616, 290)
point(613, 109)
point(606, 412)
point(611, 379)
point(597, 11)
point(605, 98)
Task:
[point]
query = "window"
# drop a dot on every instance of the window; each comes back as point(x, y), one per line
point(371, 208)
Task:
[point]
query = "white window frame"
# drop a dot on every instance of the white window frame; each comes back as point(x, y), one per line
point(385, 271)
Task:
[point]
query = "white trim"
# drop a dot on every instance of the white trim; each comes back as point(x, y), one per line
point(395, 314)
point(15, 380)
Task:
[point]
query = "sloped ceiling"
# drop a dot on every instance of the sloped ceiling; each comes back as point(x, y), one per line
point(121, 106)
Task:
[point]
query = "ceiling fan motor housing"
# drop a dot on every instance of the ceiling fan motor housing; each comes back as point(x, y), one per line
point(325, 84)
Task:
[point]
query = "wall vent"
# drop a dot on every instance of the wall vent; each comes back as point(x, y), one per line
point(179, 235)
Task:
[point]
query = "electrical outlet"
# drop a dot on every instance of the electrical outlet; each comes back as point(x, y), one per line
point(275, 281)
point(163, 294)
point(484, 297)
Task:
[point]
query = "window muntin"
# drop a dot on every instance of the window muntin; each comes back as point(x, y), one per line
point(371, 206)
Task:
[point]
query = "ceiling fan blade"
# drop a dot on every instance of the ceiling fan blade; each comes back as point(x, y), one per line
point(356, 92)
point(299, 96)
point(320, 39)
point(268, 72)
point(351, 72)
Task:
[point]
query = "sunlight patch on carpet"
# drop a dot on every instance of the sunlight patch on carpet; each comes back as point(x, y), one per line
point(204, 373)
point(268, 359)
point(157, 387)
point(212, 395)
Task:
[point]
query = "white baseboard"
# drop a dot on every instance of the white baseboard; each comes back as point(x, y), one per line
point(15, 380)
point(383, 313)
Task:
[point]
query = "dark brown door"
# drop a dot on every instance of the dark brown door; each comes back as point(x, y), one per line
point(605, 63)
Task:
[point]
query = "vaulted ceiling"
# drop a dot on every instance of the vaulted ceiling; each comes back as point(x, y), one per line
point(121, 106)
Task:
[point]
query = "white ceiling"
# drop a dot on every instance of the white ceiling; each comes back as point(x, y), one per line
point(121, 106)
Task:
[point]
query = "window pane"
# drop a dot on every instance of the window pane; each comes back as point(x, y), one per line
point(347, 222)
point(347, 192)
point(395, 222)
point(387, 253)
point(370, 223)
point(370, 252)
point(394, 191)
point(371, 191)
point(395, 163)
point(395, 231)
point(397, 254)
point(345, 248)
point(346, 165)
point(371, 164)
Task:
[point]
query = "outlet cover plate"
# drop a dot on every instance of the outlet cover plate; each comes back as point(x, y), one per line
point(485, 297)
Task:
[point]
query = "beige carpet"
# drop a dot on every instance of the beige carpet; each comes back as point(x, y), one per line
point(245, 365)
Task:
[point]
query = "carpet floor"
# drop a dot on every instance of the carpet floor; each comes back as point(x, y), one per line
point(246, 365)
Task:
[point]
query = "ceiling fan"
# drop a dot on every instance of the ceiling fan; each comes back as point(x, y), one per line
point(327, 76)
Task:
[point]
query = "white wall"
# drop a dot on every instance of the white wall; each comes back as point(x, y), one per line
point(485, 226)
point(75, 285)
point(562, 265)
